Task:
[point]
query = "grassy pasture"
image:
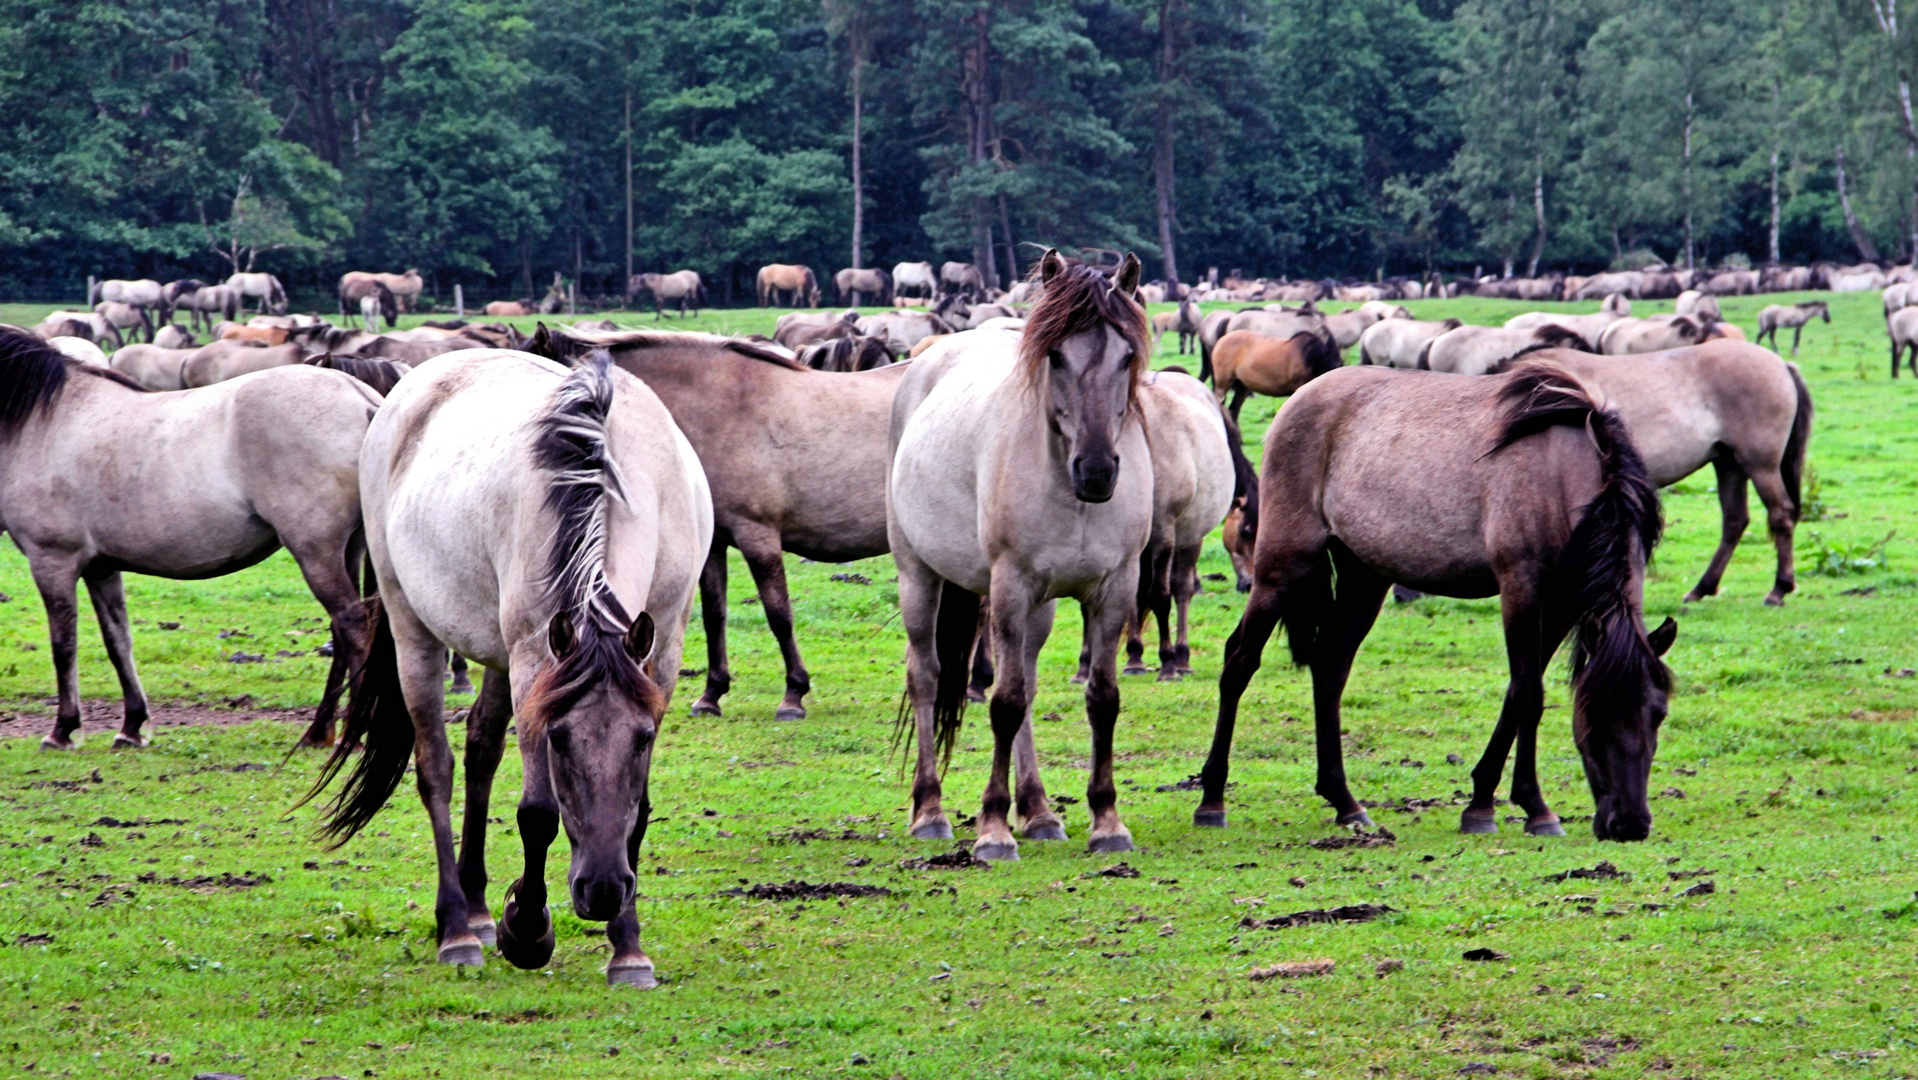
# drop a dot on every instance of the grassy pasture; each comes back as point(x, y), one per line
point(202, 929)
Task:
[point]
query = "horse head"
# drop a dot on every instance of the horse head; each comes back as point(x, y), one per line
point(1084, 349)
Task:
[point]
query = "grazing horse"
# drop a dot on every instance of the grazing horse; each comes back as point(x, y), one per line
point(1728, 403)
point(1518, 485)
point(1398, 342)
point(93, 326)
point(173, 336)
point(1777, 316)
point(548, 525)
point(1021, 472)
point(915, 279)
point(964, 279)
point(239, 471)
point(1246, 362)
point(799, 283)
point(795, 459)
point(377, 302)
point(681, 286)
point(356, 285)
point(262, 287)
point(855, 286)
point(1658, 333)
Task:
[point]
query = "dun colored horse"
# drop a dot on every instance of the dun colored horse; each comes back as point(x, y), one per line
point(1020, 470)
point(682, 287)
point(799, 284)
point(858, 287)
point(356, 285)
point(262, 287)
point(1778, 316)
point(1517, 485)
point(549, 525)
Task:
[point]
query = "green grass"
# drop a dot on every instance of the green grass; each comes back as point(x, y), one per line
point(1790, 739)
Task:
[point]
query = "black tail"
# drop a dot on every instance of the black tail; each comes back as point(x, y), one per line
point(1797, 444)
point(1245, 485)
point(953, 635)
point(376, 718)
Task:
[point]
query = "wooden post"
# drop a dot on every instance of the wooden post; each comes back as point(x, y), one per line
point(572, 298)
point(459, 302)
point(91, 285)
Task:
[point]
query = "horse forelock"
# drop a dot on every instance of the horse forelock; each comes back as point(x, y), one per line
point(572, 444)
point(1078, 299)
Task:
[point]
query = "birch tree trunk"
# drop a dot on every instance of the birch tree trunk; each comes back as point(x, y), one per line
point(858, 176)
point(1887, 13)
point(1866, 249)
point(1691, 249)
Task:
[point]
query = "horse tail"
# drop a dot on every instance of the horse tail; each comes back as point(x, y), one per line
point(377, 719)
point(1205, 360)
point(1792, 469)
point(1245, 483)
point(954, 632)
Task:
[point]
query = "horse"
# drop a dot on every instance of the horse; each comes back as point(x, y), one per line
point(797, 282)
point(795, 329)
point(1777, 316)
point(549, 525)
point(1194, 475)
point(206, 301)
point(1658, 333)
point(263, 287)
point(253, 335)
point(356, 285)
point(220, 361)
point(854, 286)
point(1788, 279)
point(1730, 403)
point(242, 470)
point(79, 348)
point(795, 459)
point(681, 286)
point(1627, 283)
point(1245, 362)
point(152, 366)
point(1006, 481)
point(381, 375)
point(145, 294)
point(847, 353)
point(962, 278)
point(915, 279)
point(1587, 327)
point(375, 302)
point(87, 324)
point(1398, 342)
point(1730, 283)
point(1477, 350)
point(173, 336)
point(1346, 327)
point(1520, 485)
point(902, 329)
point(1694, 302)
point(1185, 321)
point(1903, 329)
point(124, 318)
point(1861, 278)
point(508, 308)
point(173, 292)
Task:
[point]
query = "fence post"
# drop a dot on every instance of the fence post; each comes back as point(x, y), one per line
point(90, 287)
point(459, 302)
point(572, 298)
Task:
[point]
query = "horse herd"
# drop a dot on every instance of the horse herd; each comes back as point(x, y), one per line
point(551, 506)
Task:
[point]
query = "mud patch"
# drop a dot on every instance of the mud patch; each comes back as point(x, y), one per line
point(1604, 871)
point(958, 859)
point(804, 836)
point(1358, 839)
point(208, 882)
point(103, 716)
point(803, 890)
point(1351, 913)
point(136, 823)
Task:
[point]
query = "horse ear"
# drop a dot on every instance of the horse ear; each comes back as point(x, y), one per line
point(1129, 271)
point(541, 343)
point(1051, 265)
point(639, 638)
point(1663, 637)
point(559, 635)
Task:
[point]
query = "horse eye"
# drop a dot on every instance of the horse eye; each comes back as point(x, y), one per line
point(1057, 358)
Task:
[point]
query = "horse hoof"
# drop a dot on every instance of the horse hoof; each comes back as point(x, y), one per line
point(1117, 841)
point(1208, 819)
point(996, 850)
point(937, 829)
point(58, 742)
point(1692, 597)
point(1545, 826)
point(1357, 817)
point(1477, 824)
point(636, 972)
point(1080, 678)
point(977, 697)
point(790, 712)
point(702, 707)
point(463, 952)
point(123, 741)
point(1774, 600)
point(463, 686)
point(1044, 829)
point(525, 953)
point(1131, 669)
point(1171, 675)
point(485, 931)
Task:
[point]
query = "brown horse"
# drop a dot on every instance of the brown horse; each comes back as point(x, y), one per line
point(1517, 485)
point(799, 283)
point(796, 460)
point(1246, 362)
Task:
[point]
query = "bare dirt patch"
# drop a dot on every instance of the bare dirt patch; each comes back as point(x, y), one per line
point(803, 890)
point(103, 717)
point(1351, 913)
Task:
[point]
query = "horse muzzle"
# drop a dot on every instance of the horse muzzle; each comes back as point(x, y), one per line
point(602, 897)
point(1094, 477)
point(1621, 825)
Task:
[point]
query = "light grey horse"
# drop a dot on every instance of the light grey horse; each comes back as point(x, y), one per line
point(1007, 482)
point(262, 287)
point(915, 279)
point(550, 525)
point(190, 486)
point(682, 287)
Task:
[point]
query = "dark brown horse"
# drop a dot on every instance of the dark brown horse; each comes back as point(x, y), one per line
point(1517, 485)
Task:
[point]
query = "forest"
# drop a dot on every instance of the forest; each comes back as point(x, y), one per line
point(497, 143)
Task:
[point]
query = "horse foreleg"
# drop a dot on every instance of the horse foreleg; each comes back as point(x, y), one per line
point(1029, 790)
point(1795, 331)
point(712, 616)
point(109, 597)
point(919, 592)
point(1530, 637)
point(1105, 619)
point(1012, 610)
point(630, 966)
point(1781, 516)
point(526, 922)
point(767, 562)
point(58, 581)
point(485, 739)
point(1185, 582)
point(1733, 508)
point(1354, 608)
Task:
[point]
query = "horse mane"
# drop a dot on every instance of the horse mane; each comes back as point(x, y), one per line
point(1077, 299)
point(1320, 354)
point(1612, 660)
point(571, 444)
point(32, 375)
point(381, 375)
point(564, 344)
point(445, 324)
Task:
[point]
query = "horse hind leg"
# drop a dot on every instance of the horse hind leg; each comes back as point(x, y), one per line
point(327, 565)
point(1732, 506)
point(1354, 608)
point(1795, 331)
point(108, 593)
point(712, 616)
point(982, 673)
point(57, 580)
point(485, 739)
point(1780, 516)
point(767, 562)
point(1185, 582)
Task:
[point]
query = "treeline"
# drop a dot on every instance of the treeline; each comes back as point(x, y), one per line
point(498, 142)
